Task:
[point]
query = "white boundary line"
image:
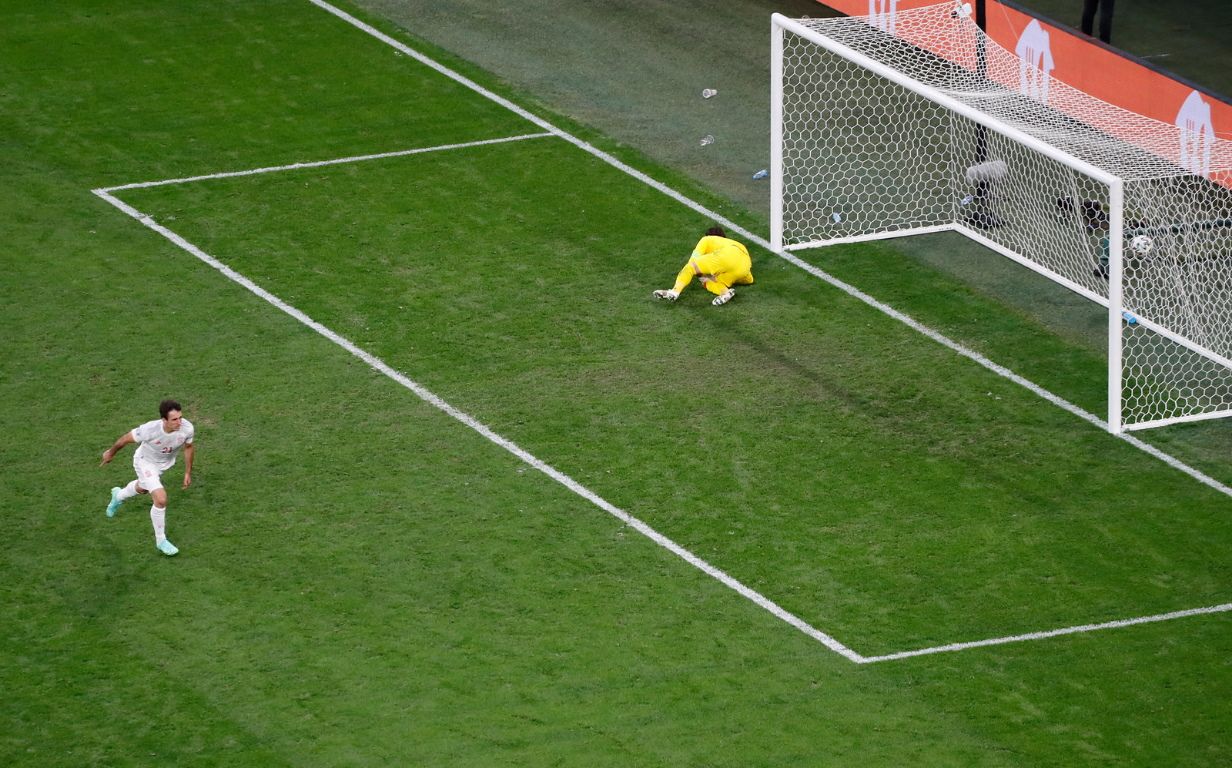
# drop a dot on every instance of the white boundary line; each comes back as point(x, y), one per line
point(320, 163)
point(577, 488)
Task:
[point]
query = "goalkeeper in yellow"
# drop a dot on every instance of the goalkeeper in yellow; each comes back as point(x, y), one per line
point(719, 263)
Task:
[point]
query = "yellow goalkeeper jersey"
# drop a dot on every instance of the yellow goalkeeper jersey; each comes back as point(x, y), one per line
point(727, 261)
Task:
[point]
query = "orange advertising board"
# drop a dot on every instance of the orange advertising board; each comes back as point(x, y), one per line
point(1082, 63)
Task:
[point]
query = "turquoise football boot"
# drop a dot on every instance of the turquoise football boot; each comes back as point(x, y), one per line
point(116, 501)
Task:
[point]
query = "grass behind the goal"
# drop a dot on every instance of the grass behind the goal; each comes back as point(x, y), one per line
point(365, 581)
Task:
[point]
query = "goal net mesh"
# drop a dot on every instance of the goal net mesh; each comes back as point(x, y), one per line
point(863, 156)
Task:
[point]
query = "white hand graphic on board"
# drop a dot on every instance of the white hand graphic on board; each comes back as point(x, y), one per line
point(1196, 135)
point(883, 14)
point(1035, 62)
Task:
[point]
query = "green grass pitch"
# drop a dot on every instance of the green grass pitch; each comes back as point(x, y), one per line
point(366, 581)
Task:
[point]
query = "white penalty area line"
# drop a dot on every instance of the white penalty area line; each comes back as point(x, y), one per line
point(320, 163)
point(427, 396)
point(785, 255)
point(577, 488)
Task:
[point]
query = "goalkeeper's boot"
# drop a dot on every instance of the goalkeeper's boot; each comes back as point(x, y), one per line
point(167, 548)
point(669, 294)
point(724, 297)
point(116, 501)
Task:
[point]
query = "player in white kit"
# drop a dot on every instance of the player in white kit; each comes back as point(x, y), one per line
point(160, 440)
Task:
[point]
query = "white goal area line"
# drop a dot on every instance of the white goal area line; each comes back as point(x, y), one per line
point(765, 244)
point(577, 488)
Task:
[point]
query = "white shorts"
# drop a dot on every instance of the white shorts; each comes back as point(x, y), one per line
point(149, 476)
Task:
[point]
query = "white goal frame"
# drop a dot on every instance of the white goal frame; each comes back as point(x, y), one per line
point(1114, 192)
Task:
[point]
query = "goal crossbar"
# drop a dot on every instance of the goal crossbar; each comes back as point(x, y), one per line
point(781, 22)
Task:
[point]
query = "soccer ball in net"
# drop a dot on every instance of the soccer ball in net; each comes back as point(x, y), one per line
point(1141, 245)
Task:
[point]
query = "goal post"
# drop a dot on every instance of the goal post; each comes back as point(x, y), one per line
point(878, 134)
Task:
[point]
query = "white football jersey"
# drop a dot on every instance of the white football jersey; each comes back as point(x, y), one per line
point(158, 447)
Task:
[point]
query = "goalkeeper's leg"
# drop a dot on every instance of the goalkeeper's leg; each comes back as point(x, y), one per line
point(723, 292)
point(717, 287)
point(721, 285)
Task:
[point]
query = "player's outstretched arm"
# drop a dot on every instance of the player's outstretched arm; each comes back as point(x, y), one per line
point(110, 453)
point(189, 450)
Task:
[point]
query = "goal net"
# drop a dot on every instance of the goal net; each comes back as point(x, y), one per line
point(933, 127)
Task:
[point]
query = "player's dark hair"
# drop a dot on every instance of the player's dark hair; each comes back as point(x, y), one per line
point(167, 406)
point(716, 231)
